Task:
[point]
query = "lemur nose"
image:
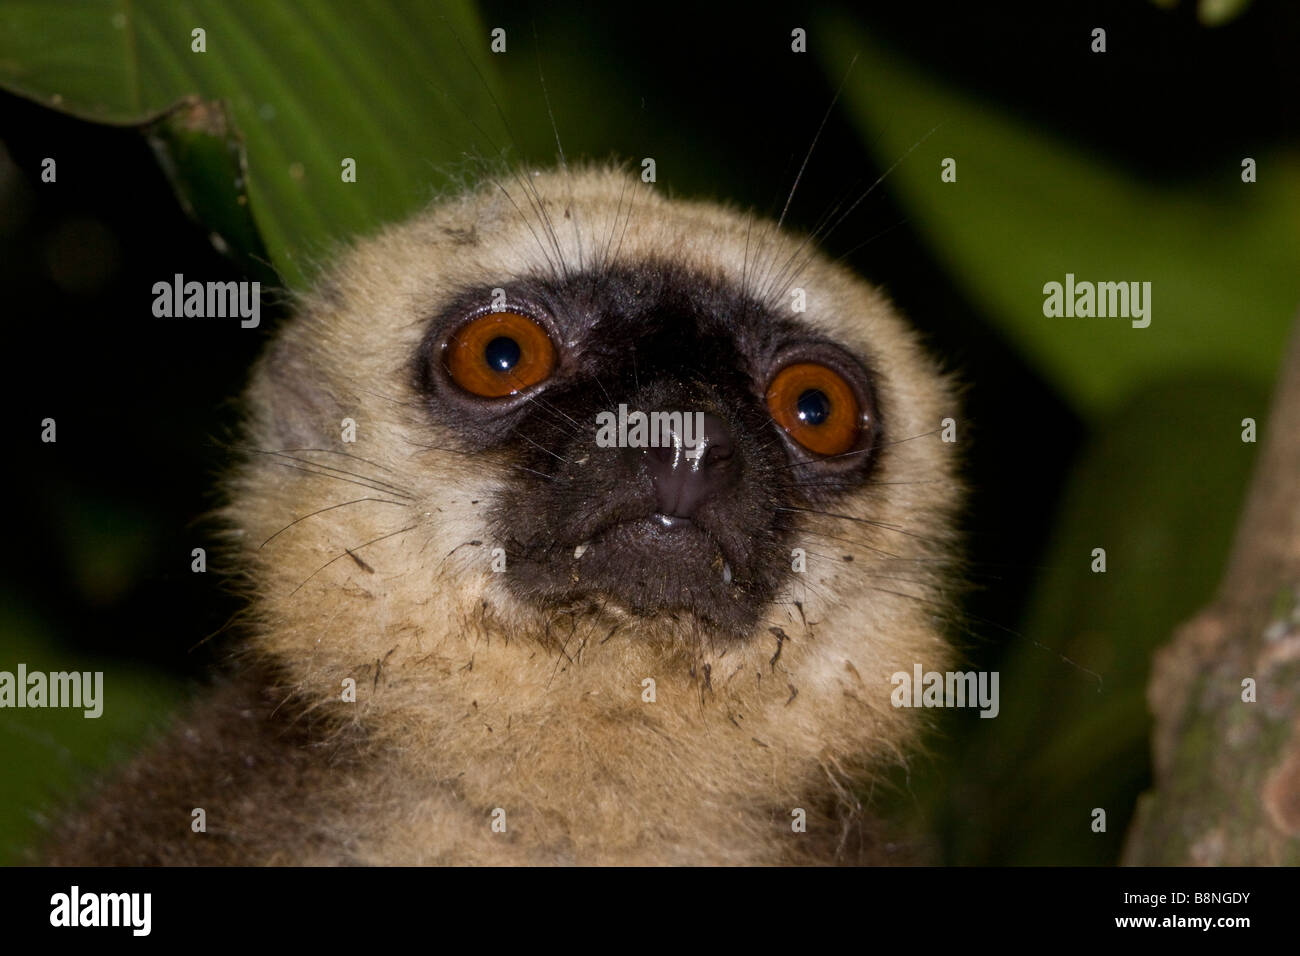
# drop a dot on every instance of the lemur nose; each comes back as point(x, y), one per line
point(685, 477)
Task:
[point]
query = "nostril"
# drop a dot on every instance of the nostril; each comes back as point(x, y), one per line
point(715, 456)
point(661, 454)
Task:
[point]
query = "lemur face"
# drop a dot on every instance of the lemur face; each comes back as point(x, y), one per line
point(449, 489)
point(746, 421)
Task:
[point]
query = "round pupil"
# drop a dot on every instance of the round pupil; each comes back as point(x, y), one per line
point(813, 407)
point(502, 353)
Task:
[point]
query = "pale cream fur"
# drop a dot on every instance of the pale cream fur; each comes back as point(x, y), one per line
point(472, 702)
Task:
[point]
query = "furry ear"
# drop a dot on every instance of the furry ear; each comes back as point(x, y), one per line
point(296, 405)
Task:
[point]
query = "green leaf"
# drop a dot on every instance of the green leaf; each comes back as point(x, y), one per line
point(400, 86)
point(1027, 208)
point(202, 155)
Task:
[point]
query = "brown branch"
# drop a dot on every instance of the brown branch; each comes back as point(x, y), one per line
point(1227, 771)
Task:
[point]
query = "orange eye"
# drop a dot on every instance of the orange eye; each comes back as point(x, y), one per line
point(499, 354)
point(816, 406)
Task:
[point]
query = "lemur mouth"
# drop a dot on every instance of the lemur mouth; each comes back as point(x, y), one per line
point(651, 565)
point(660, 544)
point(671, 522)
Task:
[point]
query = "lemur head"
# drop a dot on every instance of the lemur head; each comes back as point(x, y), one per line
point(561, 456)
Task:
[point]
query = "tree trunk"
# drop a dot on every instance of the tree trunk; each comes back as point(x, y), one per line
point(1227, 770)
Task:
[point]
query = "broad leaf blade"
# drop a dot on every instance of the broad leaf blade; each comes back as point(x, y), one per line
point(399, 86)
point(1026, 209)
